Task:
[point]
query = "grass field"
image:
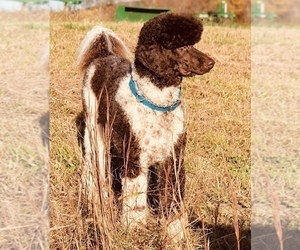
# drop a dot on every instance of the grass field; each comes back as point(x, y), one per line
point(220, 203)
point(23, 158)
point(275, 137)
point(218, 124)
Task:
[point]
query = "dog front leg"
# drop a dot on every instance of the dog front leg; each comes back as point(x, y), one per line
point(174, 219)
point(135, 207)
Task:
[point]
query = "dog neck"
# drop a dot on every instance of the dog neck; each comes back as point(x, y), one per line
point(162, 97)
point(159, 81)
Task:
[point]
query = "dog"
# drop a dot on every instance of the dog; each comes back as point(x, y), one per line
point(137, 106)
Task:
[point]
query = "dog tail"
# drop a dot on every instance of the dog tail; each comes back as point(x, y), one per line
point(99, 43)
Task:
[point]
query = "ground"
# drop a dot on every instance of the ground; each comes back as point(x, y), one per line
point(23, 103)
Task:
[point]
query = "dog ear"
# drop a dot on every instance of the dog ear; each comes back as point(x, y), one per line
point(155, 58)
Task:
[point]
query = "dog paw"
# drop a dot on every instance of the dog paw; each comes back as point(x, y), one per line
point(135, 217)
point(177, 231)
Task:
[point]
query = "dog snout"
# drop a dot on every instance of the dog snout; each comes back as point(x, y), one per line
point(210, 63)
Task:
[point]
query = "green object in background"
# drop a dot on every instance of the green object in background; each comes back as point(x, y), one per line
point(223, 11)
point(258, 11)
point(220, 15)
point(131, 13)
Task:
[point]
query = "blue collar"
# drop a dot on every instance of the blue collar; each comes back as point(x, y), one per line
point(142, 99)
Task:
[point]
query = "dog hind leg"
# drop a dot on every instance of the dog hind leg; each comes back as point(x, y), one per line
point(172, 182)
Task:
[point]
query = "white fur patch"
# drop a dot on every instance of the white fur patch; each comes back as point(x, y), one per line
point(135, 207)
point(176, 230)
point(164, 97)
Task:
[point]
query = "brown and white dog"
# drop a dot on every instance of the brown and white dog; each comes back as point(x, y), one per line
point(138, 105)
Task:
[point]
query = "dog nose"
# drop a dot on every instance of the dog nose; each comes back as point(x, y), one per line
point(210, 63)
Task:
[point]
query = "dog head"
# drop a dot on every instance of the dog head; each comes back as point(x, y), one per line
point(165, 46)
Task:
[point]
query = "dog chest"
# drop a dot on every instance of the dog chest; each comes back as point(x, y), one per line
point(157, 132)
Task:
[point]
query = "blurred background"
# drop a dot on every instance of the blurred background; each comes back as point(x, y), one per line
point(244, 11)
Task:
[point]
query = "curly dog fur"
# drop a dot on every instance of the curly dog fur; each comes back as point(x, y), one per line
point(146, 145)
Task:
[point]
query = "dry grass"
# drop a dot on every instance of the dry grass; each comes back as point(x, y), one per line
point(217, 155)
point(23, 164)
point(275, 137)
